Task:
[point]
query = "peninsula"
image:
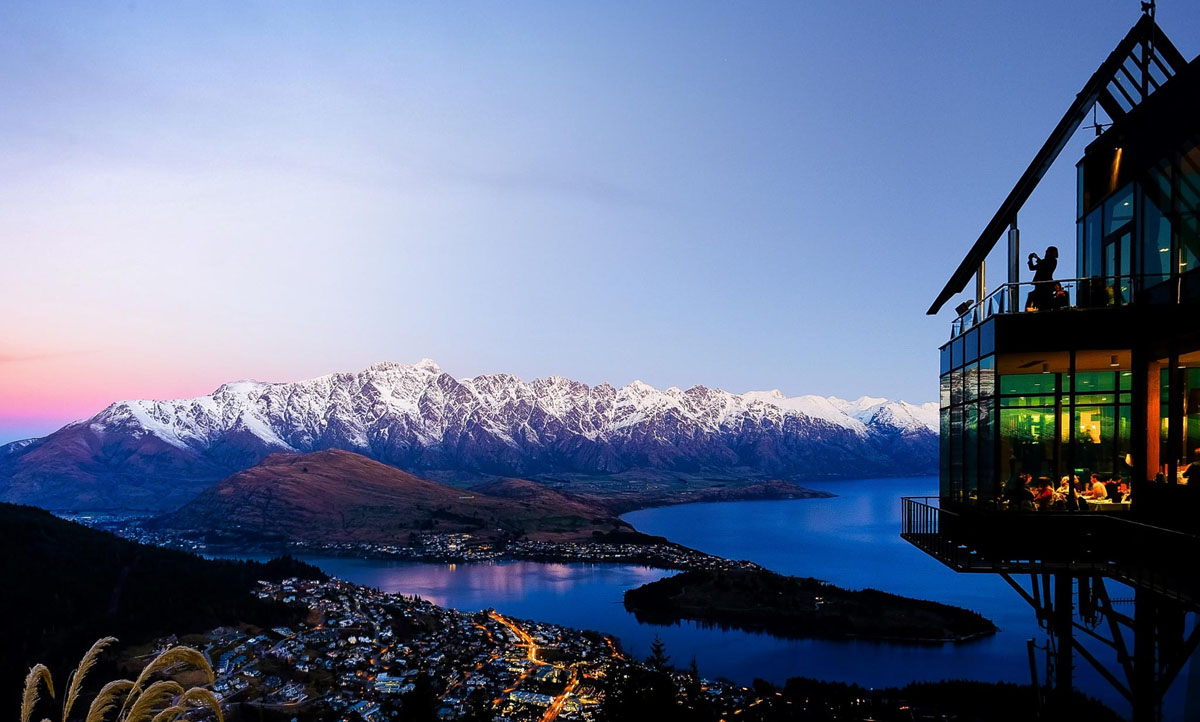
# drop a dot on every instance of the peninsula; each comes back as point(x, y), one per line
point(756, 599)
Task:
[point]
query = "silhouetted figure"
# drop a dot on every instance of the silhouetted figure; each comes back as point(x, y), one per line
point(1042, 297)
point(1044, 496)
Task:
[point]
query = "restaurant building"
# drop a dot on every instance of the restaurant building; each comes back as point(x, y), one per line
point(1086, 376)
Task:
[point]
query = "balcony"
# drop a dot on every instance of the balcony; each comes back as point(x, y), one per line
point(1055, 296)
point(987, 541)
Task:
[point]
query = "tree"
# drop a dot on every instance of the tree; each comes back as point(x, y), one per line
point(636, 693)
point(420, 704)
point(691, 687)
point(479, 707)
point(659, 660)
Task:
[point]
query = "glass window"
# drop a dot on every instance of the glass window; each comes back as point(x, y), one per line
point(987, 440)
point(1164, 420)
point(944, 455)
point(956, 456)
point(1095, 399)
point(944, 389)
point(971, 452)
point(971, 345)
point(1089, 262)
point(1189, 209)
point(945, 358)
point(1118, 210)
point(1093, 381)
point(1028, 400)
point(1027, 441)
point(1191, 417)
point(1079, 176)
point(971, 382)
point(987, 338)
point(1027, 384)
point(1080, 250)
point(987, 376)
point(956, 352)
point(1156, 228)
point(1124, 442)
point(956, 387)
point(1095, 438)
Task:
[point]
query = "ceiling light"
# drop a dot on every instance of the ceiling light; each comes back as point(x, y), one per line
point(1113, 361)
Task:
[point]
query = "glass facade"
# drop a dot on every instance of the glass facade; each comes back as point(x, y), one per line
point(968, 411)
point(1045, 415)
point(1008, 412)
point(1173, 424)
point(1136, 237)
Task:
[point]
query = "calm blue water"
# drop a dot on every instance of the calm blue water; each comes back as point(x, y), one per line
point(851, 540)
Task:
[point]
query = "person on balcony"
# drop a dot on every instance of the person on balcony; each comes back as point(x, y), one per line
point(1042, 297)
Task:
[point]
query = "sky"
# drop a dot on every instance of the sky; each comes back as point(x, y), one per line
point(743, 195)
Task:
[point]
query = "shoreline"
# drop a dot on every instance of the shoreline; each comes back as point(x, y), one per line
point(631, 548)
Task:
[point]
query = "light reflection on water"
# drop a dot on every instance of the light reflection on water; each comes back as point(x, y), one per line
point(504, 585)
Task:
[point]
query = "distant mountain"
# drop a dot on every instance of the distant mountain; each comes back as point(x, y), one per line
point(158, 454)
point(340, 496)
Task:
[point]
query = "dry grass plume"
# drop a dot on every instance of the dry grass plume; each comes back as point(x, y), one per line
point(140, 700)
point(85, 665)
point(37, 673)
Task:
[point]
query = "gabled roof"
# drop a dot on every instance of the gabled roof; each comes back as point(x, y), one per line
point(1141, 63)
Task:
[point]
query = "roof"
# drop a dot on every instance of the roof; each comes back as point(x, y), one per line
point(1125, 79)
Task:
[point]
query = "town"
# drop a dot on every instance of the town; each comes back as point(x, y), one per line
point(364, 655)
point(435, 547)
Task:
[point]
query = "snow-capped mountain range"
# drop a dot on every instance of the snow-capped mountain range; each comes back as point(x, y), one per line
point(156, 454)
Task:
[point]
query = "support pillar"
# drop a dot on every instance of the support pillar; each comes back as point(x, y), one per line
point(1145, 623)
point(1014, 266)
point(1064, 670)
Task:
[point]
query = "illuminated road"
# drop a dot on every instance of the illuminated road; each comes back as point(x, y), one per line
point(557, 705)
point(521, 633)
point(526, 640)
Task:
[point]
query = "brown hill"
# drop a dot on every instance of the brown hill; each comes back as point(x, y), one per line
point(339, 496)
point(540, 495)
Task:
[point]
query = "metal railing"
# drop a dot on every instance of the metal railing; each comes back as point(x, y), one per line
point(1046, 296)
point(921, 522)
point(1135, 553)
point(919, 515)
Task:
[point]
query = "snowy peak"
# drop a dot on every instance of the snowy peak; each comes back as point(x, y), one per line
point(419, 418)
point(293, 416)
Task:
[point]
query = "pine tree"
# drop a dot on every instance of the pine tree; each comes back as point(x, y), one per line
point(659, 660)
point(691, 687)
point(420, 704)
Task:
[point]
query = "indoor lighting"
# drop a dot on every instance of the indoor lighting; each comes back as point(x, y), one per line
point(1045, 368)
point(1113, 361)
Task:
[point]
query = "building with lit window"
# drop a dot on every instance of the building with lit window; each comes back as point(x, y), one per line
point(1088, 376)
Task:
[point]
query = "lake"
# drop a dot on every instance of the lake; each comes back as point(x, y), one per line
point(851, 540)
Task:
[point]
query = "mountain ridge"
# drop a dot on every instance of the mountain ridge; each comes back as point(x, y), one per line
point(158, 454)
